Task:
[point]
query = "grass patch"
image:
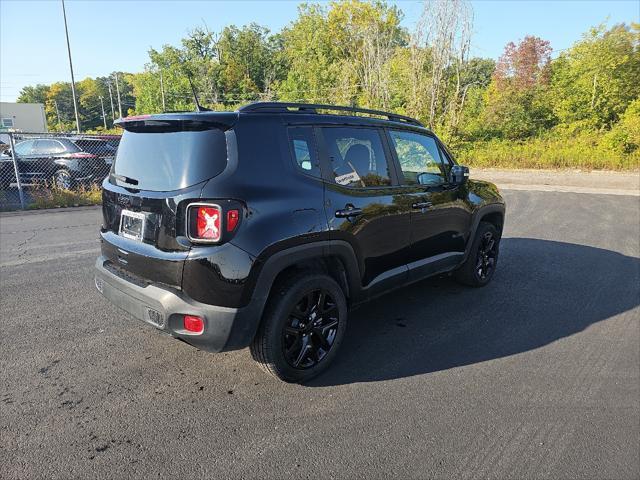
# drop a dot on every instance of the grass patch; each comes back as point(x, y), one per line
point(580, 152)
point(56, 197)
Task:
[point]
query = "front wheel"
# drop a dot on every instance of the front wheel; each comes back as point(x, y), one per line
point(480, 265)
point(303, 326)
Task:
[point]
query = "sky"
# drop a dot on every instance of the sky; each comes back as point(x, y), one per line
point(107, 36)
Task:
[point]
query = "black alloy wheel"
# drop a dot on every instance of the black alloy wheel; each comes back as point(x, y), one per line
point(481, 263)
point(487, 255)
point(302, 328)
point(310, 330)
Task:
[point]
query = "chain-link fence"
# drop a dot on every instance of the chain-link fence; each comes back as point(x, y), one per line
point(46, 169)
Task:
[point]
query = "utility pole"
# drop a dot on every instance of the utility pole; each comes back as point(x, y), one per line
point(73, 82)
point(113, 112)
point(104, 117)
point(164, 109)
point(58, 115)
point(118, 93)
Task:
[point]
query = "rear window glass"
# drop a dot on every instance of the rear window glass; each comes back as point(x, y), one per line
point(169, 160)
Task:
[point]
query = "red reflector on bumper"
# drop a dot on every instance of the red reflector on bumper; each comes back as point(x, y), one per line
point(232, 220)
point(193, 324)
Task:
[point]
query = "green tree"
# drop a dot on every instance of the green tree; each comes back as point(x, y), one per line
point(59, 107)
point(311, 58)
point(33, 94)
point(342, 54)
point(595, 80)
point(235, 66)
point(516, 104)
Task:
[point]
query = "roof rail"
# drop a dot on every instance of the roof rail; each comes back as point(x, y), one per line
point(285, 107)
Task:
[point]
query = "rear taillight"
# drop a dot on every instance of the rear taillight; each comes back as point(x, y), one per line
point(208, 223)
point(82, 155)
point(212, 222)
point(205, 222)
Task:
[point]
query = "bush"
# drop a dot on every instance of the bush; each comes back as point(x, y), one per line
point(56, 197)
point(589, 150)
point(625, 135)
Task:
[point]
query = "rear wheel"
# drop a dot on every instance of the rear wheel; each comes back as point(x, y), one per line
point(62, 179)
point(482, 261)
point(303, 326)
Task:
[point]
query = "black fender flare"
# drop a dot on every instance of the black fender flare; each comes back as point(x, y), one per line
point(478, 215)
point(246, 327)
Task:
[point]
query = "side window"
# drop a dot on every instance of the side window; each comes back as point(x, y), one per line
point(357, 157)
point(24, 148)
point(303, 149)
point(419, 158)
point(45, 147)
point(57, 147)
point(38, 147)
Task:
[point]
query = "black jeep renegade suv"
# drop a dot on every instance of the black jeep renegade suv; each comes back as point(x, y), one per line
point(263, 227)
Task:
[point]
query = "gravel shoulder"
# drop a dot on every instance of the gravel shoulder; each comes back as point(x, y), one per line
point(576, 181)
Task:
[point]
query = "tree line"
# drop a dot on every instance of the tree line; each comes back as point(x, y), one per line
point(532, 107)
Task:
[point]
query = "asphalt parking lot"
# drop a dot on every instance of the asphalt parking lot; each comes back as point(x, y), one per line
point(535, 376)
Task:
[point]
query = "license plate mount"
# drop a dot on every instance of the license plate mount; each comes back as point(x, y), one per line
point(132, 225)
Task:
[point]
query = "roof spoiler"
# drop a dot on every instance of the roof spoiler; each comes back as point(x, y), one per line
point(223, 120)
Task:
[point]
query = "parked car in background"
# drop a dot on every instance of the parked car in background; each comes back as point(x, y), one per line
point(66, 162)
point(104, 147)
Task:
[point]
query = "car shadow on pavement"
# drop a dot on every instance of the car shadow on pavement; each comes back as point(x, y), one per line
point(543, 291)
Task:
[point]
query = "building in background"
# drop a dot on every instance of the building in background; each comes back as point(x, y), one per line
point(22, 117)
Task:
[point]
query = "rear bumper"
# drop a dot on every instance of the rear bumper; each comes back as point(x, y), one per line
point(225, 328)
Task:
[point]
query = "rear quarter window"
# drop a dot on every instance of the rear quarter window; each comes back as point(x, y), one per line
point(303, 150)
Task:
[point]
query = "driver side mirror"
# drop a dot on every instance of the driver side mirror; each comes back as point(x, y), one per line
point(459, 174)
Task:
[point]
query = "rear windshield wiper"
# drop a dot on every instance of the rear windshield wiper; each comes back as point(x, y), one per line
point(122, 178)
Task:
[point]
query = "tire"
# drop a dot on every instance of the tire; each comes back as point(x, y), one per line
point(480, 265)
point(62, 179)
point(288, 324)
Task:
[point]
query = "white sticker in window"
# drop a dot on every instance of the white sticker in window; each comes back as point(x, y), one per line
point(347, 178)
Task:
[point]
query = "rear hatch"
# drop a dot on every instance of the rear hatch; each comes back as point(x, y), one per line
point(161, 165)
